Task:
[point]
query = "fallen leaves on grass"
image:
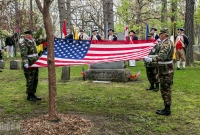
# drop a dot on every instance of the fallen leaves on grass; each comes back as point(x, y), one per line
point(67, 125)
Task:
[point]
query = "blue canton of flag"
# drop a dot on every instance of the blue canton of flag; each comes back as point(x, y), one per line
point(70, 49)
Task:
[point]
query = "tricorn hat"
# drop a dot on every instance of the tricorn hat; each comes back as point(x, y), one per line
point(154, 29)
point(94, 30)
point(111, 30)
point(180, 29)
point(132, 31)
point(28, 32)
point(82, 30)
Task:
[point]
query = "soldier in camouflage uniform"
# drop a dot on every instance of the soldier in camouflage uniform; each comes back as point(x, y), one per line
point(165, 70)
point(29, 56)
point(152, 67)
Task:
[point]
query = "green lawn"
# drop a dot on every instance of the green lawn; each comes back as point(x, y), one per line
point(115, 109)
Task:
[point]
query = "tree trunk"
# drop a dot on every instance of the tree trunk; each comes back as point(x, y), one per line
point(31, 17)
point(68, 14)
point(62, 13)
point(198, 33)
point(110, 15)
point(164, 12)
point(53, 116)
point(174, 10)
point(189, 30)
point(105, 12)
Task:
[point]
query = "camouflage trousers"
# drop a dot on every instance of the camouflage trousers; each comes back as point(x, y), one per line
point(165, 87)
point(31, 75)
point(152, 74)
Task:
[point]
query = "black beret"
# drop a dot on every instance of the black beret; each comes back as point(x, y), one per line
point(180, 29)
point(132, 31)
point(154, 29)
point(111, 30)
point(28, 32)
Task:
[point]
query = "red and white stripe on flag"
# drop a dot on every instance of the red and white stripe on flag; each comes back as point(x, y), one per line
point(102, 51)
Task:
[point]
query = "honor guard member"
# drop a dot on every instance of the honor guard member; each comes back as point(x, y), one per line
point(153, 30)
point(165, 69)
point(29, 55)
point(152, 67)
point(181, 42)
point(95, 36)
point(111, 35)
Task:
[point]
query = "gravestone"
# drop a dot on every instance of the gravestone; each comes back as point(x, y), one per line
point(14, 65)
point(2, 64)
point(113, 71)
point(120, 36)
point(65, 73)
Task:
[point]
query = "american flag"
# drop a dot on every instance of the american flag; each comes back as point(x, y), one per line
point(79, 52)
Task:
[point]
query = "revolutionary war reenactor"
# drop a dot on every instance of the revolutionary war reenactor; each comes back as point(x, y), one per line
point(69, 35)
point(132, 35)
point(111, 35)
point(155, 36)
point(152, 67)
point(181, 42)
point(83, 36)
point(29, 56)
point(95, 36)
point(165, 69)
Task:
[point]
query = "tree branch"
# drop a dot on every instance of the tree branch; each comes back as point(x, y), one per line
point(39, 4)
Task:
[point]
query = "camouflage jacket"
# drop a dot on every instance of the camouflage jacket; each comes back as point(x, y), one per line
point(154, 51)
point(28, 50)
point(165, 57)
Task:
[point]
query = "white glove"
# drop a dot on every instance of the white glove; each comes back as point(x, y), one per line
point(26, 65)
point(147, 59)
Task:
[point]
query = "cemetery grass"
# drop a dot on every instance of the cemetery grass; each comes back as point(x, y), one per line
point(117, 108)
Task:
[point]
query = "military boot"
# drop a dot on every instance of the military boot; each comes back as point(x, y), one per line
point(165, 111)
point(35, 97)
point(151, 87)
point(157, 87)
point(30, 97)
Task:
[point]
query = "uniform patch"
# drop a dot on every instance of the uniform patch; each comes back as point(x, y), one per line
point(22, 44)
point(153, 50)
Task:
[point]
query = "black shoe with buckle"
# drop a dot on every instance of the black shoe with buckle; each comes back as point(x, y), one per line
point(37, 98)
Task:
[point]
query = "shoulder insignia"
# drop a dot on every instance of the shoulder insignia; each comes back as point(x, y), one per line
point(165, 44)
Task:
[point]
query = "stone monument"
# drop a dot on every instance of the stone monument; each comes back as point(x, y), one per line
point(65, 73)
point(113, 71)
point(2, 64)
point(14, 65)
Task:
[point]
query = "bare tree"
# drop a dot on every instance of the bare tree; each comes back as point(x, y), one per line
point(53, 116)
